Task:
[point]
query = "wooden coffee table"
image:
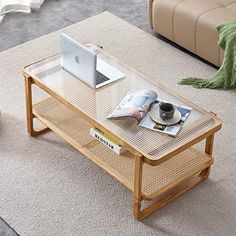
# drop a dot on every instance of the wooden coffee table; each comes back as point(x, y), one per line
point(156, 168)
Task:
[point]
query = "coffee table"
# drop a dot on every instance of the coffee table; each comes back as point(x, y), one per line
point(157, 168)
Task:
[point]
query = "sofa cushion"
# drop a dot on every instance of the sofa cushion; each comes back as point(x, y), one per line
point(192, 24)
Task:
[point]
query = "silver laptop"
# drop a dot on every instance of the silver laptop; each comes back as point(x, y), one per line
point(86, 65)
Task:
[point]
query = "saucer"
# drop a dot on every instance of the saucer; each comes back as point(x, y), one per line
point(156, 117)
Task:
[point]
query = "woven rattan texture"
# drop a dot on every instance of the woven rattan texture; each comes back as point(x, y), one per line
point(155, 178)
point(98, 103)
point(65, 120)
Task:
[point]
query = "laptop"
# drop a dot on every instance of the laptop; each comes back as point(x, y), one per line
point(86, 64)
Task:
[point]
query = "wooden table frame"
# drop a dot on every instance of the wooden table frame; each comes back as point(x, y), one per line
point(162, 198)
point(165, 197)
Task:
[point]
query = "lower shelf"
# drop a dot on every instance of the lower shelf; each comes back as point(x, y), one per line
point(156, 179)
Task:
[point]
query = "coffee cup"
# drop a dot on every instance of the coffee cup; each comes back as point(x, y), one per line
point(166, 111)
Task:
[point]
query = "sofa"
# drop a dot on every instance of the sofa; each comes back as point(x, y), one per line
point(192, 24)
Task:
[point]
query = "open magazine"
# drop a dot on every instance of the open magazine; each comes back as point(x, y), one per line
point(139, 104)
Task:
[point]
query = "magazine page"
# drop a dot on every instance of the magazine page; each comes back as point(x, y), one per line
point(134, 104)
point(171, 130)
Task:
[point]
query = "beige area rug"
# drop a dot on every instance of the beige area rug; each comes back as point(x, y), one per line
point(47, 188)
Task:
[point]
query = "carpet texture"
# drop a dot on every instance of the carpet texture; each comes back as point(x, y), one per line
point(48, 188)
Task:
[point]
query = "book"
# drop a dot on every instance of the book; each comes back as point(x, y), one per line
point(134, 105)
point(138, 105)
point(107, 140)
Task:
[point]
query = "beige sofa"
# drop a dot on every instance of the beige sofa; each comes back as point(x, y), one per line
point(192, 23)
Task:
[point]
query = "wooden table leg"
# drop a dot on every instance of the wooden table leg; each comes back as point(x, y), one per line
point(137, 198)
point(209, 145)
point(209, 150)
point(29, 109)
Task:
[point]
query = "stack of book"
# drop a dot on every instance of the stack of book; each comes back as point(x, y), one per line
point(106, 140)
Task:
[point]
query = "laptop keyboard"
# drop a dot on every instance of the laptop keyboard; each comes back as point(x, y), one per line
point(101, 78)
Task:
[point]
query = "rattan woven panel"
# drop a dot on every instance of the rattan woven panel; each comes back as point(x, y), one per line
point(155, 178)
point(98, 103)
point(122, 166)
point(64, 119)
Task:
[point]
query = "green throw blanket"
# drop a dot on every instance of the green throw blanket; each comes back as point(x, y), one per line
point(225, 77)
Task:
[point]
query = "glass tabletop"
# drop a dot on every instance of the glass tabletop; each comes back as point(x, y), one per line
point(98, 103)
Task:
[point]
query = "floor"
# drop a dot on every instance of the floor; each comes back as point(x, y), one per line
point(5, 229)
point(18, 28)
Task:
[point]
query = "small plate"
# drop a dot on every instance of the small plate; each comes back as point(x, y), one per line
point(156, 117)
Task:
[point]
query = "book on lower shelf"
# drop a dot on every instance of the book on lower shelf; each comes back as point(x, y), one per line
point(107, 140)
